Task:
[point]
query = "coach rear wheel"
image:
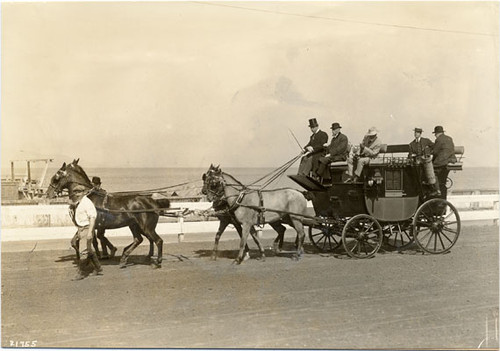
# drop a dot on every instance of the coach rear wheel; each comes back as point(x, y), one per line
point(398, 236)
point(324, 237)
point(436, 226)
point(362, 236)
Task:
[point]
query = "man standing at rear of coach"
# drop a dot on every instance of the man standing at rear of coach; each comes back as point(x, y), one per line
point(84, 213)
point(310, 161)
point(420, 146)
point(442, 154)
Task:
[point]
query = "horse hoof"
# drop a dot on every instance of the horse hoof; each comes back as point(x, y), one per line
point(246, 257)
point(155, 265)
point(124, 264)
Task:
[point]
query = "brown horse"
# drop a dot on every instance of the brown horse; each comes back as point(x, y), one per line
point(251, 207)
point(140, 213)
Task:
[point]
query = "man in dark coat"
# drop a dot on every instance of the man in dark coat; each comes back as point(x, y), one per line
point(442, 154)
point(420, 146)
point(313, 149)
point(336, 151)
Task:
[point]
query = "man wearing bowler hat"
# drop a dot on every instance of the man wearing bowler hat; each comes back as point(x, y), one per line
point(336, 151)
point(442, 154)
point(310, 161)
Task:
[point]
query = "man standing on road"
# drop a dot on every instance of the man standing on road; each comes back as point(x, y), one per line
point(84, 213)
point(309, 162)
point(442, 154)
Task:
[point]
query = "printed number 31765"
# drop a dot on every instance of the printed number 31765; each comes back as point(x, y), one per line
point(23, 343)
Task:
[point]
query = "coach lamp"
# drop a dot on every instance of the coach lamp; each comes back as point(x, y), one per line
point(377, 178)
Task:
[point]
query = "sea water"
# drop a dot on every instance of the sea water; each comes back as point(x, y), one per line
point(172, 179)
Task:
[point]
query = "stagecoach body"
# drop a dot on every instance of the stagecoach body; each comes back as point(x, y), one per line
point(391, 201)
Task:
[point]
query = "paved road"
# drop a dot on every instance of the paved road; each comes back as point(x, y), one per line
point(406, 300)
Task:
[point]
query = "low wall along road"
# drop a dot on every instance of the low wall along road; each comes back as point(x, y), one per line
point(38, 222)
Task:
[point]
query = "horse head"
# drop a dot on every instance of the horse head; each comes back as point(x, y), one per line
point(69, 176)
point(213, 183)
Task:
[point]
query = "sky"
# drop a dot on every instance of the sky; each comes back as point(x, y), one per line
point(187, 84)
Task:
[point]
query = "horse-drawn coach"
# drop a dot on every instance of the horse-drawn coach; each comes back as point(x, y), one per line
point(391, 204)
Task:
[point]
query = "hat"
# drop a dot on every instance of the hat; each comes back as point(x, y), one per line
point(335, 125)
point(418, 130)
point(372, 131)
point(438, 129)
point(96, 180)
point(313, 123)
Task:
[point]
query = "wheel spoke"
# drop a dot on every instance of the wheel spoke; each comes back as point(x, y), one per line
point(443, 234)
point(441, 240)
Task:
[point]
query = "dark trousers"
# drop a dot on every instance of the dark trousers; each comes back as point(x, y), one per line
point(442, 175)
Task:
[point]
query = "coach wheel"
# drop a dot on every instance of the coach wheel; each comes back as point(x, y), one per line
point(398, 236)
point(324, 237)
point(436, 226)
point(362, 236)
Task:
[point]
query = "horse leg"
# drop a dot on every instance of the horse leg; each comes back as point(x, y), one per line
point(278, 242)
point(155, 238)
point(245, 230)
point(128, 249)
point(299, 227)
point(224, 222)
point(237, 226)
point(75, 244)
point(253, 233)
point(105, 243)
point(95, 244)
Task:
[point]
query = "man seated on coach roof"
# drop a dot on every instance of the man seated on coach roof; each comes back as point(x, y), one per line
point(367, 149)
point(318, 139)
point(336, 151)
point(442, 154)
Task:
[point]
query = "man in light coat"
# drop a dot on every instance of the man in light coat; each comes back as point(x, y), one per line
point(368, 149)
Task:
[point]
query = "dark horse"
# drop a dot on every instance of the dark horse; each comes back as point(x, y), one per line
point(140, 213)
point(249, 206)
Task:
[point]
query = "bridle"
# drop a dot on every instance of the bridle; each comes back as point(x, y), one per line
point(64, 174)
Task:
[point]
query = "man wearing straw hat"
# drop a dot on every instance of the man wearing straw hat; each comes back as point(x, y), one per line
point(310, 161)
point(368, 149)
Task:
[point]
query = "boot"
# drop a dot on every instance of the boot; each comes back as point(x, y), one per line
point(96, 264)
point(81, 270)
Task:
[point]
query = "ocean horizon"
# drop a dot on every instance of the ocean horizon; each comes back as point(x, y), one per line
point(146, 178)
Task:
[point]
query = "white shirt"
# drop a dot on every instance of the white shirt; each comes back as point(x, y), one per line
point(84, 211)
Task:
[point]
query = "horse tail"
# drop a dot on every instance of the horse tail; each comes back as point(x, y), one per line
point(162, 203)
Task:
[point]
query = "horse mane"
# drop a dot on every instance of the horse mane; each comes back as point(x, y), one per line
point(234, 179)
point(79, 170)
